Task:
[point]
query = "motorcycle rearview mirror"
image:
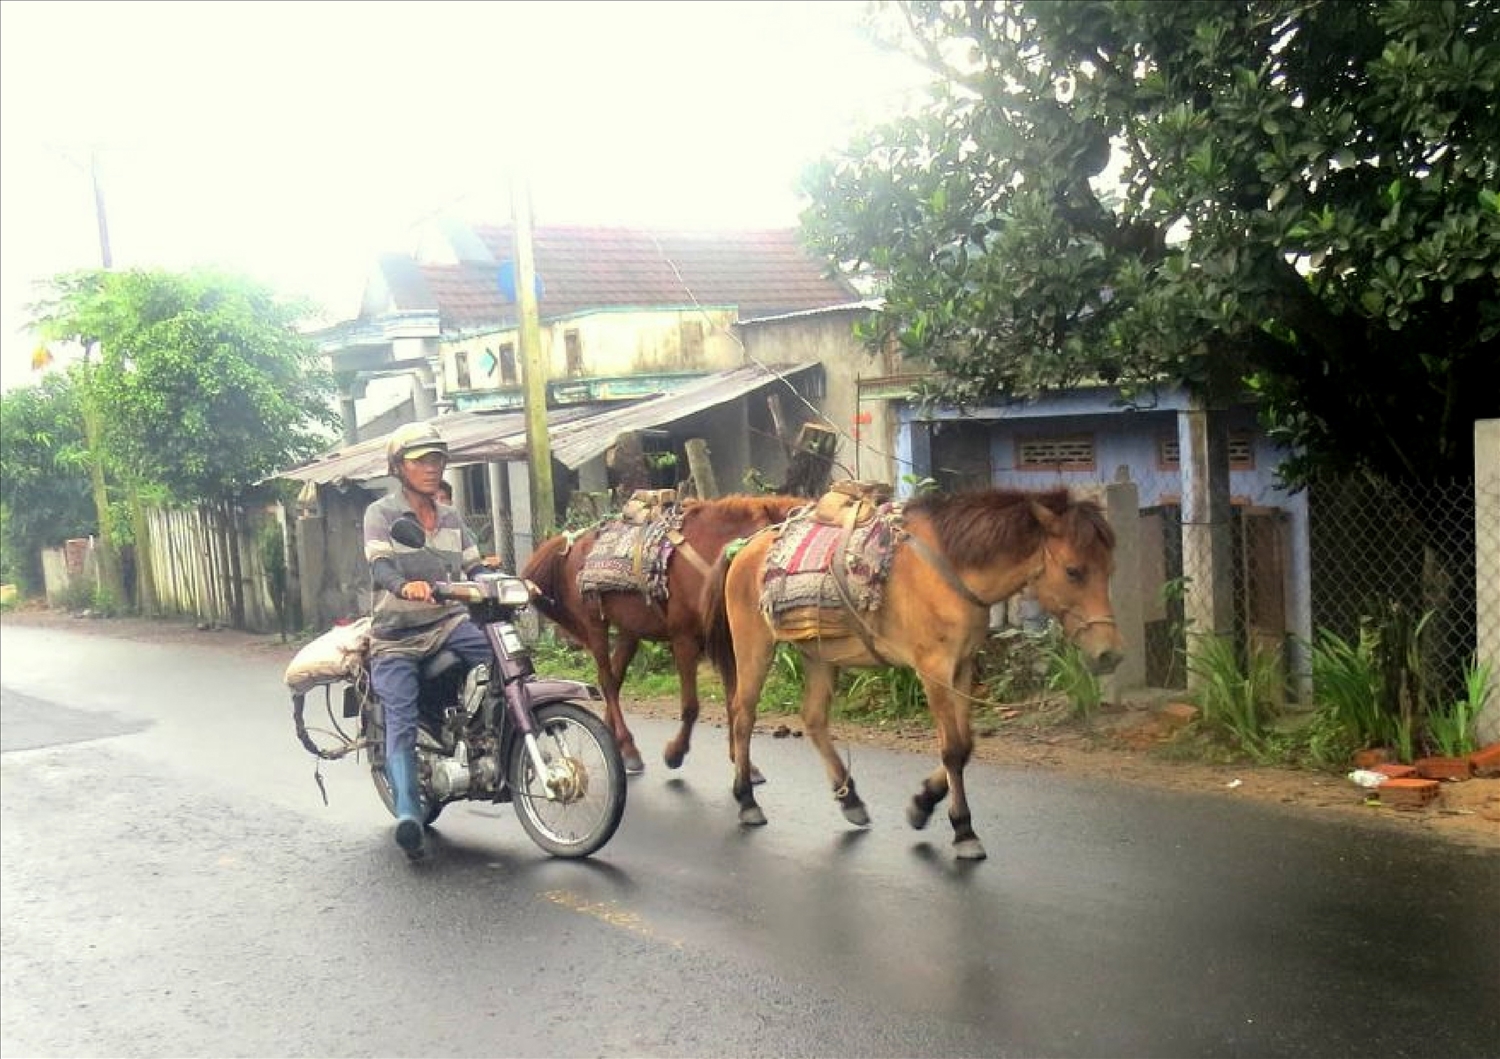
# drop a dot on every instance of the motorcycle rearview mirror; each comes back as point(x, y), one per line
point(408, 532)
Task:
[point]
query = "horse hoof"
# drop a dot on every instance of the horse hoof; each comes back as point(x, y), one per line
point(857, 815)
point(916, 817)
point(969, 849)
point(757, 777)
point(673, 761)
point(752, 817)
point(634, 766)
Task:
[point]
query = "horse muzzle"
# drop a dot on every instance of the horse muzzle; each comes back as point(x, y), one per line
point(1100, 642)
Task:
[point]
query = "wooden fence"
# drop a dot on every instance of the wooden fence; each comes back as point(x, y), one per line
point(208, 563)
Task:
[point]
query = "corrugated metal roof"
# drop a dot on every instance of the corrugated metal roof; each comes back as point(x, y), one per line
point(578, 432)
point(577, 443)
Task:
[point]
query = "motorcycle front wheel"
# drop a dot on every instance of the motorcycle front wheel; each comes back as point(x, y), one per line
point(573, 808)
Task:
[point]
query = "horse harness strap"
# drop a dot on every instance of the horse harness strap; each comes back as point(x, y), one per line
point(945, 571)
point(687, 551)
point(840, 571)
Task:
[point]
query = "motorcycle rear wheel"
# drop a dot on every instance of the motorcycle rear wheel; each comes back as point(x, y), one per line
point(582, 816)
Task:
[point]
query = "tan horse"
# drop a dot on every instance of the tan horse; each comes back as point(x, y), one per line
point(707, 525)
point(958, 555)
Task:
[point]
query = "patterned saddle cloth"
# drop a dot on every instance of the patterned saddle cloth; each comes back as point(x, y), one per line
point(631, 557)
point(800, 570)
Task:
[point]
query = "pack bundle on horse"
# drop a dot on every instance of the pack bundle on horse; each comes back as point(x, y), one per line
point(641, 575)
point(906, 584)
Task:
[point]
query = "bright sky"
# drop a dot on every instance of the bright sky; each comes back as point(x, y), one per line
point(294, 141)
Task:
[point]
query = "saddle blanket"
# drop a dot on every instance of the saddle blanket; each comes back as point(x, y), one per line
point(630, 558)
point(800, 563)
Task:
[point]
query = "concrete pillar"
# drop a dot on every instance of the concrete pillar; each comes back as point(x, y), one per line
point(1487, 569)
point(312, 547)
point(919, 433)
point(520, 510)
point(1208, 599)
point(455, 478)
point(349, 417)
point(1122, 504)
point(423, 393)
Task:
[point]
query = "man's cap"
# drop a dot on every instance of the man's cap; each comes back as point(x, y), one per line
point(424, 450)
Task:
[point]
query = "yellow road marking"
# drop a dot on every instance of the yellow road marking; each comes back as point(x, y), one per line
point(607, 912)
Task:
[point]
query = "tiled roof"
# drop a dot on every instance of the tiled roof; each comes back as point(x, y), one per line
point(761, 273)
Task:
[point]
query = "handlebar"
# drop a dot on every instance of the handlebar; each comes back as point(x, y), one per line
point(504, 589)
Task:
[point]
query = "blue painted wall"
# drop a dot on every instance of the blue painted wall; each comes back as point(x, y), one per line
point(1128, 438)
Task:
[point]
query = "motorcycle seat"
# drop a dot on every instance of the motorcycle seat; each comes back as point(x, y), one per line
point(435, 667)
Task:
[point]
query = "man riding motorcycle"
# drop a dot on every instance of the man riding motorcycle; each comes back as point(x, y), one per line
point(407, 624)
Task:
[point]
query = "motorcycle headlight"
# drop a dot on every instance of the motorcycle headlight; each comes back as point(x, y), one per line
point(510, 591)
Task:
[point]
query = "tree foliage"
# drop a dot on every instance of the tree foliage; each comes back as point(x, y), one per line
point(1294, 196)
point(44, 487)
point(205, 383)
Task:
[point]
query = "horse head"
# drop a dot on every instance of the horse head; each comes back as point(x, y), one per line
point(1072, 584)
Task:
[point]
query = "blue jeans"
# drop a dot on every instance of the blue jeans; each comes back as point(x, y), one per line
point(395, 682)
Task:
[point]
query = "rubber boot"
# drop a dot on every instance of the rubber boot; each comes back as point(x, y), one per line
point(401, 770)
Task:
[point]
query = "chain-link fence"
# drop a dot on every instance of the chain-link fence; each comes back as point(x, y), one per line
point(484, 533)
point(1342, 557)
point(1399, 561)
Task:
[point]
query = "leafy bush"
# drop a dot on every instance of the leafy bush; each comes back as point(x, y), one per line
point(1451, 729)
point(1014, 664)
point(1380, 691)
point(890, 693)
point(1068, 674)
point(1238, 702)
point(1347, 689)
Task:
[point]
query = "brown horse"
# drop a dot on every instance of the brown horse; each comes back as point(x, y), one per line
point(954, 557)
point(707, 525)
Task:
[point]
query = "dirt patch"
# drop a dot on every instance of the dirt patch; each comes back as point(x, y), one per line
point(1132, 744)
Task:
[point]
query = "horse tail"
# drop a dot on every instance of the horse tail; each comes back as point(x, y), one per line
point(547, 570)
point(718, 645)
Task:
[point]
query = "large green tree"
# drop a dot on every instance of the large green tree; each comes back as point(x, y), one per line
point(1295, 196)
point(207, 384)
point(44, 482)
point(202, 382)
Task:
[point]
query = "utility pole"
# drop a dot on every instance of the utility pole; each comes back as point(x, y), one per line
point(109, 566)
point(538, 444)
point(105, 256)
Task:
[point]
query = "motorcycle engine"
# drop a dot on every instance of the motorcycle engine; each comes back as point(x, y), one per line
point(455, 778)
point(450, 778)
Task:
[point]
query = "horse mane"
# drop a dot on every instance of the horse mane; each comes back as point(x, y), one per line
point(973, 527)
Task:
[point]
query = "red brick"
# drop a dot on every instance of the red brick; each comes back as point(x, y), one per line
point(1175, 715)
point(1486, 761)
point(1368, 759)
point(1396, 772)
point(1444, 768)
point(1408, 793)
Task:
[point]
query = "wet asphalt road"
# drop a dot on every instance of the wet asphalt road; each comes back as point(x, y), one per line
point(172, 884)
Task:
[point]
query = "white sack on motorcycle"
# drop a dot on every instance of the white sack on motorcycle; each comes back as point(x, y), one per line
point(334, 656)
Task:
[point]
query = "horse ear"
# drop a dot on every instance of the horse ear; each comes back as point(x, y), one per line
point(1046, 516)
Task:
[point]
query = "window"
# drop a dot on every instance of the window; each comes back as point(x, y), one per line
point(573, 350)
point(508, 374)
point(461, 370)
point(1241, 452)
point(1073, 452)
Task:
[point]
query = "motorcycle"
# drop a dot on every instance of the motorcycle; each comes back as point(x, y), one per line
point(498, 734)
